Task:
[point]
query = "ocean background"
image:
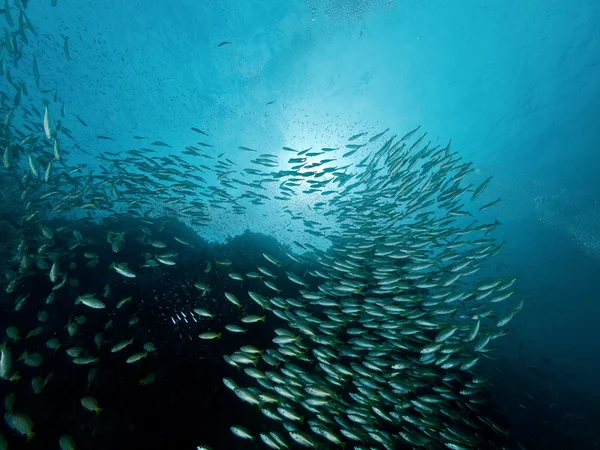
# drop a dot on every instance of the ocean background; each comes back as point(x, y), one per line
point(515, 85)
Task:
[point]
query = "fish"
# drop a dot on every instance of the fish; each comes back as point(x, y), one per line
point(241, 432)
point(164, 260)
point(91, 404)
point(235, 329)
point(295, 279)
point(253, 319)
point(377, 136)
point(86, 359)
point(66, 50)
point(236, 276)
point(136, 357)
point(480, 188)
point(48, 123)
point(122, 302)
point(5, 361)
point(90, 301)
point(203, 313)
point(233, 299)
point(121, 268)
point(150, 378)
point(357, 136)
point(489, 205)
point(54, 272)
point(271, 285)
point(210, 335)
point(272, 260)
point(57, 150)
point(224, 43)
point(66, 442)
point(21, 423)
point(121, 345)
point(197, 130)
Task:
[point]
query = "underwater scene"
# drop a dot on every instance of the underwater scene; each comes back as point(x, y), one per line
point(260, 224)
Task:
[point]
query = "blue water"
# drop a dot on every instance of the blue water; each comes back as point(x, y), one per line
point(514, 84)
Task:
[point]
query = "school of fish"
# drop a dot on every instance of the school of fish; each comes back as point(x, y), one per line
point(384, 331)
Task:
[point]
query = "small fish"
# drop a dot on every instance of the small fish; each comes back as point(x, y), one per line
point(122, 269)
point(48, 123)
point(203, 313)
point(31, 360)
point(122, 302)
point(253, 319)
point(149, 347)
point(302, 438)
point(197, 130)
point(21, 423)
point(272, 260)
point(35, 332)
point(121, 345)
point(66, 48)
point(13, 333)
point(98, 339)
point(57, 150)
point(480, 189)
point(48, 171)
point(271, 285)
point(233, 299)
point(356, 136)
point(294, 278)
point(182, 241)
point(236, 276)
point(157, 244)
point(83, 360)
point(54, 272)
point(53, 344)
point(66, 442)
point(265, 271)
point(91, 376)
point(74, 352)
point(210, 335)
point(91, 404)
point(136, 357)
point(241, 432)
point(377, 136)
point(234, 329)
point(91, 301)
point(148, 379)
point(164, 260)
point(5, 361)
point(224, 43)
point(489, 205)
point(38, 383)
